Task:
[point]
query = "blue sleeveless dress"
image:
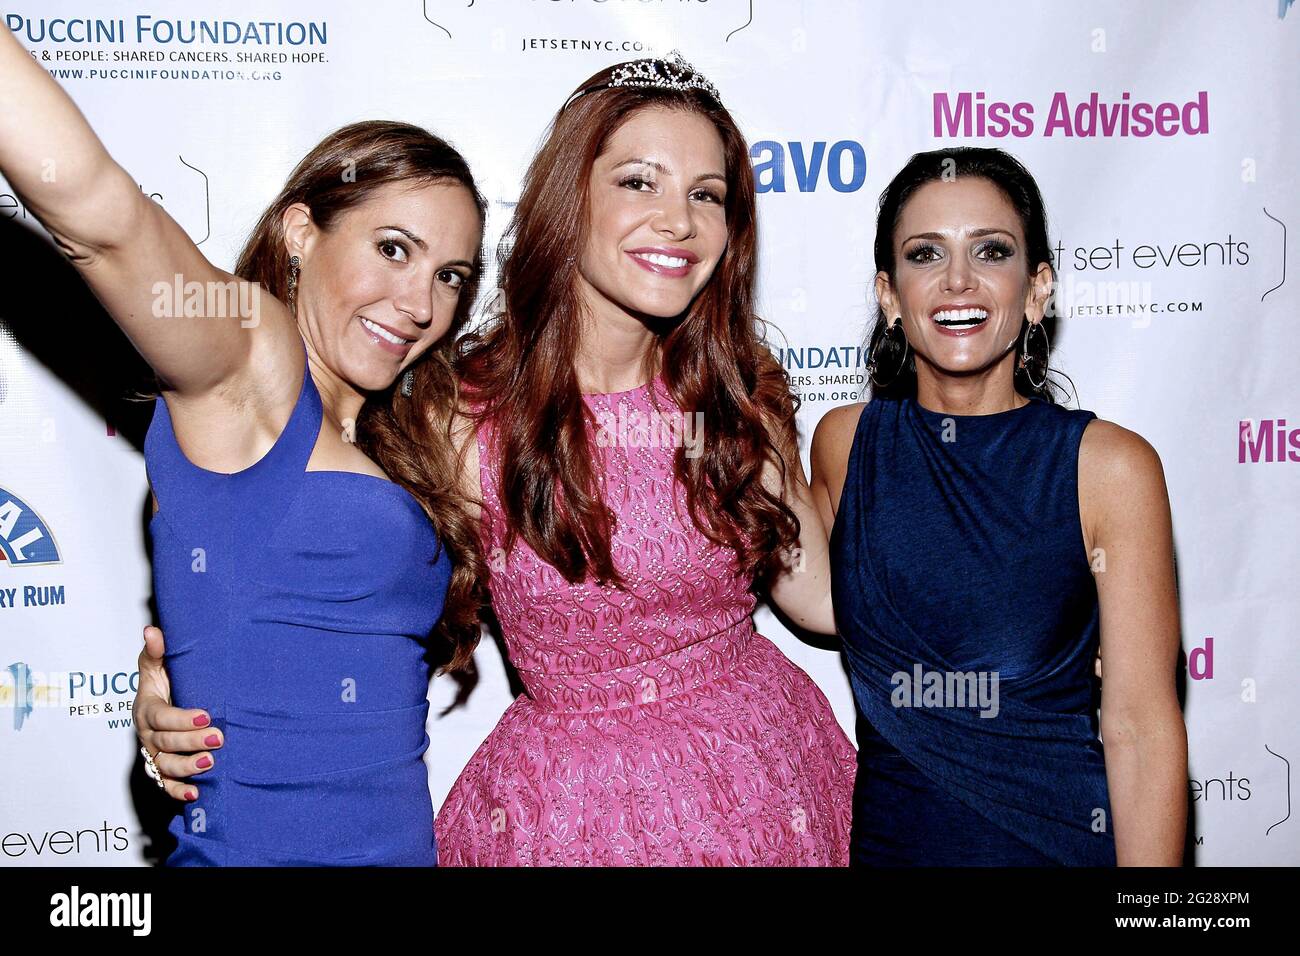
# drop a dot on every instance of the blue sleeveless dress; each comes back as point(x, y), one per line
point(969, 617)
point(296, 607)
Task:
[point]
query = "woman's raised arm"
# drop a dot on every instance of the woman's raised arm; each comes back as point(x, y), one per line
point(130, 251)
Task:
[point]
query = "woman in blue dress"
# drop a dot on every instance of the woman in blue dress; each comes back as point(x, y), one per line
point(308, 564)
point(985, 540)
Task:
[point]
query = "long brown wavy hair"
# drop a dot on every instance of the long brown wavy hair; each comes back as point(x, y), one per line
point(409, 437)
point(521, 363)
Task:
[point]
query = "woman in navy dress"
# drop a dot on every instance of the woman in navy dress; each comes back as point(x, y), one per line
point(985, 542)
point(307, 565)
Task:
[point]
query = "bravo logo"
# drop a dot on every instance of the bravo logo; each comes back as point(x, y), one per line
point(25, 540)
point(843, 164)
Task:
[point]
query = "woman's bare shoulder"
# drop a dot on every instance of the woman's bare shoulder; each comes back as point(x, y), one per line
point(1121, 480)
point(1112, 455)
point(833, 437)
point(831, 444)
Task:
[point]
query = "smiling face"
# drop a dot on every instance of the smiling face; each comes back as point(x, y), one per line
point(962, 283)
point(657, 224)
point(382, 284)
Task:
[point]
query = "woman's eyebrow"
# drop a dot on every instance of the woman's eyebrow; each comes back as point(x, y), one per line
point(974, 234)
point(636, 161)
point(664, 170)
point(407, 233)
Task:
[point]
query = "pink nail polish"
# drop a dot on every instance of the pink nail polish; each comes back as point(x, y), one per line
point(203, 762)
point(201, 720)
point(189, 794)
point(211, 740)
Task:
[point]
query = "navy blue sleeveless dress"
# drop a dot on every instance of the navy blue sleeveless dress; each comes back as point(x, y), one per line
point(296, 607)
point(969, 616)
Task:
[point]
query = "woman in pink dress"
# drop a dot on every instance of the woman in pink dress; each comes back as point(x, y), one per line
point(639, 476)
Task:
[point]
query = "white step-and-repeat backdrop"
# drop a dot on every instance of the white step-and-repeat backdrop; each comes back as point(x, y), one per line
point(1163, 135)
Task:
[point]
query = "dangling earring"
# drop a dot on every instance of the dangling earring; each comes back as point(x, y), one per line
point(1037, 358)
point(891, 342)
point(408, 382)
point(294, 264)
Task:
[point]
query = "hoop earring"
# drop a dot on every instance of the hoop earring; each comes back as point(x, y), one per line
point(1036, 358)
point(408, 382)
point(890, 341)
point(294, 267)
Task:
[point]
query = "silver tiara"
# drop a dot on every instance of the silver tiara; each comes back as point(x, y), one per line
point(670, 72)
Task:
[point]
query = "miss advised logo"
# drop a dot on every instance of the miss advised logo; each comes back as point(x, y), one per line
point(1267, 440)
point(25, 539)
point(965, 114)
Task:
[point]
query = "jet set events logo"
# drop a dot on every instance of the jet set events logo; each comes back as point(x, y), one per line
point(621, 28)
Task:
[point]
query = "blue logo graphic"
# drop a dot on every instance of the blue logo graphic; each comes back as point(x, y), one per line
point(22, 699)
point(25, 539)
point(844, 164)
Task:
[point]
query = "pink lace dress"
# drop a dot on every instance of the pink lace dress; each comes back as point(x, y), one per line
point(657, 727)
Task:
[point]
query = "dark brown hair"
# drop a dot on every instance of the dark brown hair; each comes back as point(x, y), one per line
point(1015, 182)
point(409, 437)
point(714, 358)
